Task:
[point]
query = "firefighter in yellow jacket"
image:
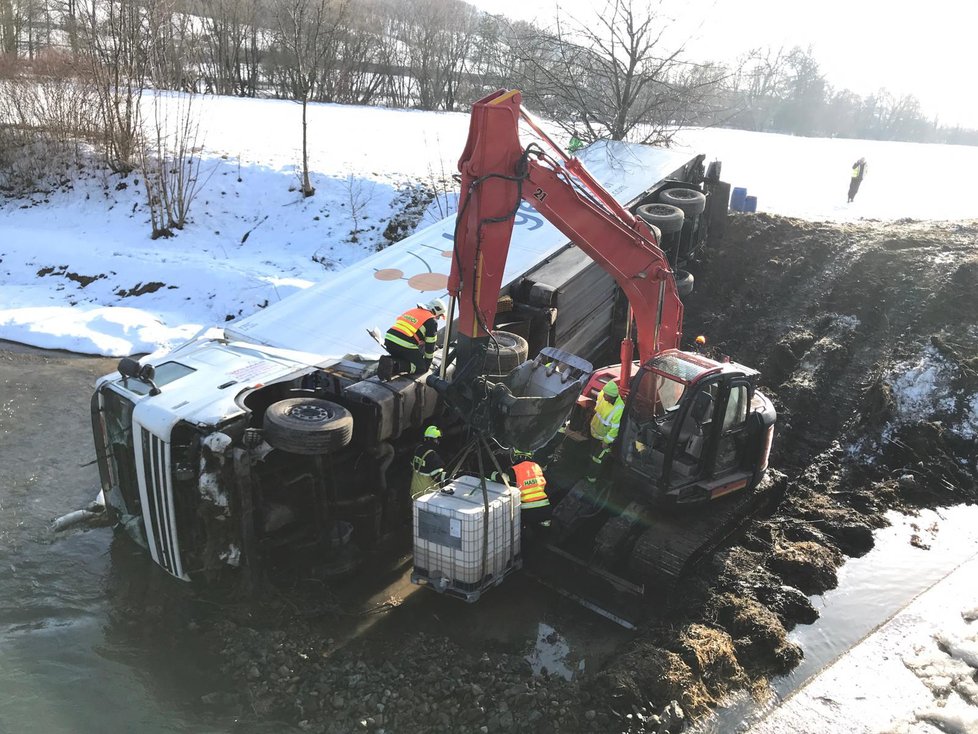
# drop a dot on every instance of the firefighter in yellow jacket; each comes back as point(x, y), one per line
point(608, 411)
point(427, 467)
point(411, 341)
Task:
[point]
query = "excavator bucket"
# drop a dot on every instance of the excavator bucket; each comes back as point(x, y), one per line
point(534, 400)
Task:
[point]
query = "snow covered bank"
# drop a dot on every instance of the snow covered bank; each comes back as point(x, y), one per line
point(916, 674)
point(79, 272)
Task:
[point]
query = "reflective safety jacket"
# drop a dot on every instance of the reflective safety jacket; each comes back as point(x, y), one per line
point(415, 329)
point(532, 484)
point(428, 470)
point(607, 418)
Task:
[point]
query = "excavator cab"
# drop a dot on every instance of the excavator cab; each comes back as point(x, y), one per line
point(694, 429)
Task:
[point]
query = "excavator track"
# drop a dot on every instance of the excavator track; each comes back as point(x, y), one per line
point(673, 544)
point(654, 551)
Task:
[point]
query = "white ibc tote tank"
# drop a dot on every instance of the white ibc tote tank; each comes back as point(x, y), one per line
point(450, 554)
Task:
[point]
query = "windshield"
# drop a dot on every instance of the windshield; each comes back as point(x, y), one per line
point(165, 374)
point(663, 381)
point(655, 395)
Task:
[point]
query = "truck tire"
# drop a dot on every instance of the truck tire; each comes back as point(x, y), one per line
point(692, 202)
point(506, 352)
point(667, 218)
point(684, 282)
point(307, 426)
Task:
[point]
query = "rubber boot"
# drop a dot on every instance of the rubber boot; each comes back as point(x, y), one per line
point(385, 368)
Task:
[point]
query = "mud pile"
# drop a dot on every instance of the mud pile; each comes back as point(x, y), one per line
point(866, 339)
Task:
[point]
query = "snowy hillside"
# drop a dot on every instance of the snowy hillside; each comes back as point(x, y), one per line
point(78, 270)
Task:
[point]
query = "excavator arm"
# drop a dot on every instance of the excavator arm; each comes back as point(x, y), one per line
point(498, 172)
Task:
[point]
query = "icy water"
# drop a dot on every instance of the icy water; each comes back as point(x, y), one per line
point(92, 638)
point(871, 590)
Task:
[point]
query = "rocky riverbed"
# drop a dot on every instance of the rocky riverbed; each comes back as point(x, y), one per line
point(866, 339)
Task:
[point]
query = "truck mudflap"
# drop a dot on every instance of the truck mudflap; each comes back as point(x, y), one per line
point(620, 581)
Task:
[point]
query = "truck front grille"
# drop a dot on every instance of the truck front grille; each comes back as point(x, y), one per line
point(159, 516)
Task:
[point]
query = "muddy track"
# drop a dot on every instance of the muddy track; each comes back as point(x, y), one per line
point(852, 327)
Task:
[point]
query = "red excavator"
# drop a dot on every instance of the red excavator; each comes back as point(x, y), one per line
point(694, 429)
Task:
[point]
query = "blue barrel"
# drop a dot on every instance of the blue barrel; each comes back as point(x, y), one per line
point(750, 204)
point(737, 199)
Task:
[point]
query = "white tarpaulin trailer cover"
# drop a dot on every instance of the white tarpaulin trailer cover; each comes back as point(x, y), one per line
point(331, 319)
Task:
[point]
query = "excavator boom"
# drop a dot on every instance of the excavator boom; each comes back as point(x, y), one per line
point(498, 172)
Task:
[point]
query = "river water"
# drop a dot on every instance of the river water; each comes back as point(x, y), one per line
point(92, 637)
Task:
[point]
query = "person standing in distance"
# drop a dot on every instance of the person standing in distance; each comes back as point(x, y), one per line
point(858, 172)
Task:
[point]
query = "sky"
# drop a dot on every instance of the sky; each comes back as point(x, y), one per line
point(925, 49)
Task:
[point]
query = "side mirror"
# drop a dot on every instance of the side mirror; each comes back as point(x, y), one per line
point(129, 367)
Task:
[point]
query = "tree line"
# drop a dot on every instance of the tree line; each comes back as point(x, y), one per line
point(784, 90)
point(79, 69)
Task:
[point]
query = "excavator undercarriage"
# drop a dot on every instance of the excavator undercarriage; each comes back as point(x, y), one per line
point(620, 557)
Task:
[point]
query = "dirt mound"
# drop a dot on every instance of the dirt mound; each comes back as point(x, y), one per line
point(865, 338)
point(711, 656)
point(646, 672)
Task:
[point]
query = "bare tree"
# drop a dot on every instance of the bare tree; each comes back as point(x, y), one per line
point(613, 75)
point(392, 60)
point(439, 35)
point(307, 31)
point(234, 39)
point(10, 24)
point(760, 84)
point(357, 77)
point(46, 110)
point(115, 40)
point(169, 161)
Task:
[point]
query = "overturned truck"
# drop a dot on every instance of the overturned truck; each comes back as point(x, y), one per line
point(272, 439)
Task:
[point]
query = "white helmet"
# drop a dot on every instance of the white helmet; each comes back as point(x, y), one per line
point(437, 308)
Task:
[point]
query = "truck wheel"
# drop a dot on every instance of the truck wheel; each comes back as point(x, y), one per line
point(667, 218)
point(505, 354)
point(684, 282)
point(692, 202)
point(307, 426)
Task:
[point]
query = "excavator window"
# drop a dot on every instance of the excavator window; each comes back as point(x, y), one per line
point(733, 434)
point(668, 394)
point(737, 405)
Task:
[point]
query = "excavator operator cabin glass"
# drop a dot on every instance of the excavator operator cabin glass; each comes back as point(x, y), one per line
point(666, 382)
point(669, 392)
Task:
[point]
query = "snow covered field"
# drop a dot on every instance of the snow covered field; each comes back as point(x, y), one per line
point(79, 271)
